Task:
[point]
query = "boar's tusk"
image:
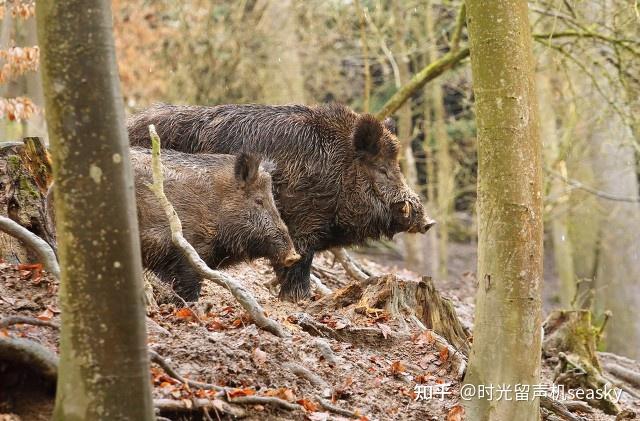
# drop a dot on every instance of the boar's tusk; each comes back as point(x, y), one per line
point(406, 209)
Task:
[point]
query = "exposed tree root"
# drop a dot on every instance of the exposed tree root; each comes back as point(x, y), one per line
point(337, 410)
point(171, 405)
point(14, 320)
point(325, 351)
point(30, 354)
point(266, 400)
point(350, 266)
point(628, 376)
point(320, 287)
point(156, 358)
point(44, 251)
point(244, 297)
point(306, 374)
point(558, 409)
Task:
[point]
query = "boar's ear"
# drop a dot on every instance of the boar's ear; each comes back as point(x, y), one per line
point(246, 168)
point(390, 125)
point(367, 134)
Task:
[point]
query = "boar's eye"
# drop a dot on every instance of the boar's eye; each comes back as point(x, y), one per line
point(259, 201)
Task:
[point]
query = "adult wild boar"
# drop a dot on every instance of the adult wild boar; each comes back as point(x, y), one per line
point(337, 180)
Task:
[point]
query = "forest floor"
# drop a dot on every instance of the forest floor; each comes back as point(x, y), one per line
point(372, 378)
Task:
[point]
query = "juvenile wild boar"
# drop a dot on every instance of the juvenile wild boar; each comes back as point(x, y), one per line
point(227, 210)
point(226, 206)
point(337, 180)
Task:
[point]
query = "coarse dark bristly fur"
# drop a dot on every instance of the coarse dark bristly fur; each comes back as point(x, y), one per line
point(227, 210)
point(337, 180)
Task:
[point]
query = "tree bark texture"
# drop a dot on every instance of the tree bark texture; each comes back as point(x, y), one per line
point(104, 367)
point(507, 332)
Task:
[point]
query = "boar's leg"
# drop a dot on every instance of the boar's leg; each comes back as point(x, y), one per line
point(178, 273)
point(295, 281)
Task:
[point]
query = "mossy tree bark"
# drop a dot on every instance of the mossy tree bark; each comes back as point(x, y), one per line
point(104, 368)
point(506, 345)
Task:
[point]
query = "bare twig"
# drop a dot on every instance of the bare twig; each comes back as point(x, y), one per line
point(601, 194)
point(14, 320)
point(457, 32)
point(245, 298)
point(35, 243)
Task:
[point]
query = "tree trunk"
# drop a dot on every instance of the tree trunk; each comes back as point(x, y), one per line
point(413, 249)
point(445, 182)
point(506, 344)
point(104, 367)
point(558, 214)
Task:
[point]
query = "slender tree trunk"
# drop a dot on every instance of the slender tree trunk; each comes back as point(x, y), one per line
point(104, 368)
point(35, 125)
point(413, 249)
point(445, 181)
point(366, 98)
point(506, 344)
point(558, 214)
point(432, 235)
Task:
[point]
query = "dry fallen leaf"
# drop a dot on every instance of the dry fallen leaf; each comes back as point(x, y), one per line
point(456, 413)
point(397, 367)
point(185, 314)
point(241, 392)
point(385, 329)
point(444, 354)
point(318, 416)
point(308, 405)
point(47, 314)
point(259, 356)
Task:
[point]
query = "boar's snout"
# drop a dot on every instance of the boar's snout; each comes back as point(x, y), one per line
point(291, 258)
point(426, 224)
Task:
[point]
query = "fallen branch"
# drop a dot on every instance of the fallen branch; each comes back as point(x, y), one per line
point(30, 354)
point(266, 400)
point(246, 300)
point(156, 358)
point(38, 245)
point(185, 405)
point(575, 406)
point(349, 265)
point(14, 320)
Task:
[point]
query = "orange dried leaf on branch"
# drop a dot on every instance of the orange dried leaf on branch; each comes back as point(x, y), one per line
point(308, 405)
point(186, 314)
point(235, 393)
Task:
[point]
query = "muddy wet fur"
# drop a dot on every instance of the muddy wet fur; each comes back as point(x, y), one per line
point(337, 180)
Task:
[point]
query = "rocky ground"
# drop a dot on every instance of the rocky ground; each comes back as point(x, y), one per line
point(339, 376)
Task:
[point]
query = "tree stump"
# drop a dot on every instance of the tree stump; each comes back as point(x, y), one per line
point(25, 177)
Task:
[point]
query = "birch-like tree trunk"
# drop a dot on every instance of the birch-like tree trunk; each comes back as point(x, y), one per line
point(507, 332)
point(104, 367)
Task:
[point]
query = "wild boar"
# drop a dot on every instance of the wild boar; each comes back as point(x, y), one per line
point(337, 180)
point(227, 209)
